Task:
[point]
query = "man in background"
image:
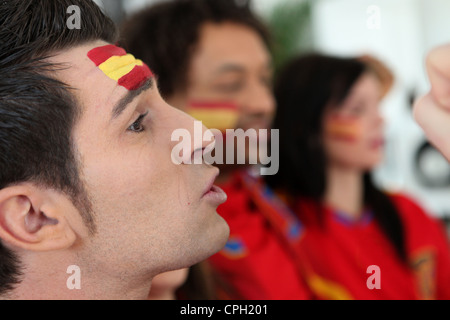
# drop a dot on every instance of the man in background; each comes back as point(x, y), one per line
point(213, 60)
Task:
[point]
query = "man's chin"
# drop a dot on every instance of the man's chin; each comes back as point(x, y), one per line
point(219, 237)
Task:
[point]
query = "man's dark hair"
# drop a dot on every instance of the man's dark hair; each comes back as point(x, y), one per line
point(165, 35)
point(37, 111)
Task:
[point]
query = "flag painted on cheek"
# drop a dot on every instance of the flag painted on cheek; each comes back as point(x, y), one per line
point(345, 128)
point(119, 66)
point(214, 115)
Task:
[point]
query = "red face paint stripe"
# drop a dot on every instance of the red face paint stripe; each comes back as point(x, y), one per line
point(212, 105)
point(101, 54)
point(136, 77)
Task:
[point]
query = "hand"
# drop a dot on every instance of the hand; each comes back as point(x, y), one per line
point(432, 112)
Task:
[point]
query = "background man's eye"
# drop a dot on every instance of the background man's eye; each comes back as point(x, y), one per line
point(230, 87)
point(357, 110)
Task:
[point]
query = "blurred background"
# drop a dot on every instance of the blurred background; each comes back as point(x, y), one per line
point(400, 33)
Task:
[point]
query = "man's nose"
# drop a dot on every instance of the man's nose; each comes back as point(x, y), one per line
point(199, 141)
point(259, 100)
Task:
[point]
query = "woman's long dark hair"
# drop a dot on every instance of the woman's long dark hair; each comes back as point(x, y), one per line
point(304, 88)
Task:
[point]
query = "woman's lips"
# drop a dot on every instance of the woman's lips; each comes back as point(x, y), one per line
point(376, 143)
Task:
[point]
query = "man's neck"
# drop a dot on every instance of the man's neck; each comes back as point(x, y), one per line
point(65, 281)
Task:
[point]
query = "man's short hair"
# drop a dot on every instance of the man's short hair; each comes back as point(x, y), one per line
point(37, 111)
point(165, 35)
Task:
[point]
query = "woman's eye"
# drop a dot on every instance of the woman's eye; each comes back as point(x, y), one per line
point(357, 110)
point(137, 126)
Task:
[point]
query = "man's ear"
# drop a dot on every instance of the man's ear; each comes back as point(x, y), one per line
point(33, 218)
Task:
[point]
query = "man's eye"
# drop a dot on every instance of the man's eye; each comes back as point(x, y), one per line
point(230, 87)
point(137, 125)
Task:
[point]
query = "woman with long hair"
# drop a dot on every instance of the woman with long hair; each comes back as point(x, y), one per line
point(359, 242)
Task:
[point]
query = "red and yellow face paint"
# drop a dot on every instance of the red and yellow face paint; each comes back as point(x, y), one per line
point(214, 115)
point(344, 128)
point(119, 66)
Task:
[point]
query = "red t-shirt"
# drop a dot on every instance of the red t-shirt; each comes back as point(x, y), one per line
point(271, 255)
point(354, 259)
point(255, 262)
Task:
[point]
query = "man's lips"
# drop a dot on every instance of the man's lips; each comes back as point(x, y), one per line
point(214, 189)
point(210, 185)
point(213, 193)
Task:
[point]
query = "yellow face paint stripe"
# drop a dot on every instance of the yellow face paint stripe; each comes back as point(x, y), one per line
point(345, 128)
point(215, 119)
point(118, 66)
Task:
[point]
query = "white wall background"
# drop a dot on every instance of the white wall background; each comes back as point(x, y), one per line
point(260, 5)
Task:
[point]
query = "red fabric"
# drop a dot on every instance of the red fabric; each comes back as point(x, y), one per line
point(255, 263)
point(340, 251)
point(425, 235)
point(330, 259)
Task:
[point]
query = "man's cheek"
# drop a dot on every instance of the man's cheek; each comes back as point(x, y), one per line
point(435, 121)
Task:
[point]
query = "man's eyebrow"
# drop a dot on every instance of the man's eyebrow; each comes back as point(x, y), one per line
point(237, 68)
point(120, 106)
point(230, 67)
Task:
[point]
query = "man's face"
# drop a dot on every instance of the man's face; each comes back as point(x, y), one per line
point(232, 64)
point(151, 215)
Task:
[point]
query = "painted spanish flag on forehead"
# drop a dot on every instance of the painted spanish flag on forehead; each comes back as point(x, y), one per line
point(129, 72)
point(214, 115)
